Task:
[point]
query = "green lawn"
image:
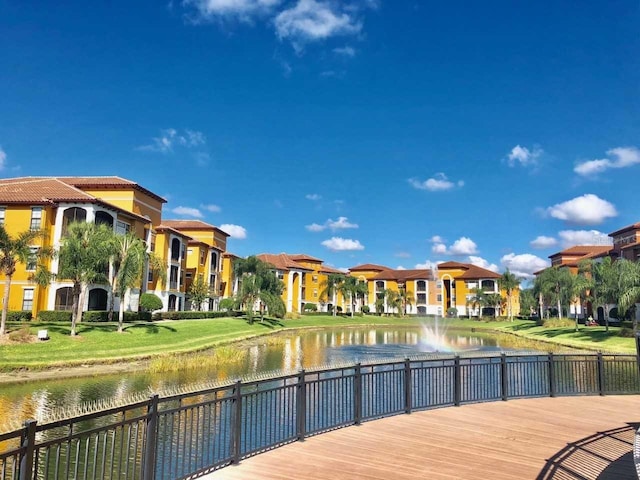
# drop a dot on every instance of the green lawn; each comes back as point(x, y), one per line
point(99, 342)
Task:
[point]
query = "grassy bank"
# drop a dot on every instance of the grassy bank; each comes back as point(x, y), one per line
point(99, 342)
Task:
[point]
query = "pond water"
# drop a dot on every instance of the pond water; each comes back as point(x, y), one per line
point(285, 351)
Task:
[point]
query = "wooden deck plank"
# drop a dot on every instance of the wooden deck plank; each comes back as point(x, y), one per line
point(545, 438)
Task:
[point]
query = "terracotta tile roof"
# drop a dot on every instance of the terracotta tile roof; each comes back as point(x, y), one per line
point(630, 245)
point(635, 226)
point(281, 261)
point(230, 255)
point(166, 228)
point(40, 191)
point(453, 265)
point(301, 257)
point(582, 250)
point(474, 272)
point(192, 225)
point(109, 182)
point(325, 269)
point(369, 267)
point(404, 275)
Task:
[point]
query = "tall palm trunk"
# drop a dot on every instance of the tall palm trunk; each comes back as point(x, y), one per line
point(121, 312)
point(335, 304)
point(5, 305)
point(75, 307)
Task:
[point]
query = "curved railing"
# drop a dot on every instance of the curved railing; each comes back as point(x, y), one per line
point(189, 434)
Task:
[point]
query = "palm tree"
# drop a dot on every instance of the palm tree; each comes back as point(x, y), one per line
point(19, 250)
point(477, 299)
point(629, 287)
point(509, 283)
point(581, 287)
point(555, 283)
point(393, 299)
point(604, 274)
point(361, 291)
point(84, 256)
point(406, 298)
point(330, 288)
point(258, 282)
point(494, 300)
point(348, 288)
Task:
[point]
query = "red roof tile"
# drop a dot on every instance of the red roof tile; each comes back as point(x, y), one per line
point(369, 267)
point(192, 225)
point(635, 226)
point(474, 272)
point(301, 257)
point(109, 182)
point(40, 191)
point(404, 275)
point(281, 261)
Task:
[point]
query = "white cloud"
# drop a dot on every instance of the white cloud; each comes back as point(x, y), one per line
point(3, 159)
point(243, 10)
point(187, 212)
point(622, 157)
point(438, 183)
point(235, 231)
point(170, 137)
point(437, 239)
point(211, 208)
point(313, 196)
point(482, 263)
point(347, 51)
point(463, 246)
point(400, 267)
point(543, 242)
point(523, 265)
point(523, 156)
point(439, 249)
point(571, 238)
point(311, 20)
point(340, 224)
point(588, 209)
point(427, 265)
point(340, 244)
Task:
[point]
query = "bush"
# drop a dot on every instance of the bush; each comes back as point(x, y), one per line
point(452, 312)
point(626, 332)
point(193, 315)
point(227, 304)
point(292, 316)
point(96, 316)
point(558, 323)
point(19, 316)
point(150, 302)
point(310, 307)
point(23, 335)
point(365, 309)
point(54, 316)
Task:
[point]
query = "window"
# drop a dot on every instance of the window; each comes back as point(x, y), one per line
point(64, 298)
point(36, 218)
point(439, 284)
point(189, 274)
point(280, 275)
point(150, 276)
point(314, 278)
point(315, 293)
point(439, 297)
point(122, 228)
point(32, 261)
point(189, 251)
point(2, 213)
point(27, 299)
point(212, 280)
point(421, 285)
point(214, 261)
point(203, 256)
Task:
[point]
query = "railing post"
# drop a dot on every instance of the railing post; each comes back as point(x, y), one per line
point(552, 376)
point(151, 440)
point(28, 444)
point(504, 377)
point(601, 381)
point(457, 381)
point(237, 422)
point(407, 386)
point(357, 395)
point(301, 406)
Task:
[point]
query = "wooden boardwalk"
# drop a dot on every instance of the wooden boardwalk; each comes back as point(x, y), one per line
point(545, 438)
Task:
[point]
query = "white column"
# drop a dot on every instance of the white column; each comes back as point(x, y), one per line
point(289, 291)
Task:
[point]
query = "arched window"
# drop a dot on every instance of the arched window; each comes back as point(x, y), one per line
point(421, 285)
point(98, 299)
point(104, 218)
point(73, 214)
point(175, 249)
point(487, 285)
point(64, 298)
point(172, 303)
point(214, 261)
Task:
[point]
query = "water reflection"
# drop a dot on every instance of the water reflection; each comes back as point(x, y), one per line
point(286, 351)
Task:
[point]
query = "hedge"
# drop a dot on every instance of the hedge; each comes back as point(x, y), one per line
point(54, 316)
point(91, 316)
point(192, 315)
point(19, 316)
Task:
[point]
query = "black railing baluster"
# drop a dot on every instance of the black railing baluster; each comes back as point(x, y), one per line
point(504, 377)
point(151, 440)
point(601, 381)
point(28, 444)
point(408, 404)
point(457, 381)
point(552, 375)
point(237, 424)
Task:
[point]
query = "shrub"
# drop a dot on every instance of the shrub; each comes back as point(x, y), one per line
point(23, 335)
point(310, 307)
point(452, 312)
point(96, 316)
point(626, 332)
point(292, 316)
point(19, 316)
point(150, 302)
point(365, 309)
point(558, 323)
point(54, 316)
point(193, 315)
point(227, 304)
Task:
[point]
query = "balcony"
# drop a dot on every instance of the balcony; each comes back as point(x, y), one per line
point(173, 285)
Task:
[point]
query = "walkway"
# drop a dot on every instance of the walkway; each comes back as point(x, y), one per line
point(545, 438)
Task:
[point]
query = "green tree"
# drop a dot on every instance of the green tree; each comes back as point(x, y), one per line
point(199, 292)
point(476, 300)
point(628, 287)
point(19, 250)
point(509, 283)
point(347, 289)
point(361, 292)
point(84, 257)
point(227, 304)
point(581, 287)
point(554, 283)
point(604, 274)
point(494, 300)
point(393, 299)
point(406, 298)
point(150, 302)
point(330, 288)
point(258, 283)
point(528, 302)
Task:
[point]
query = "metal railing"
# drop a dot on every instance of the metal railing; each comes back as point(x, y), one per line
point(190, 434)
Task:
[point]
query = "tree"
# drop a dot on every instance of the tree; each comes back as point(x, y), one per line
point(150, 302)
point(581, 287)
point(20, 250)
point(528, 302)
point(258, 283)
point(554, 283)
point(509, 283)
point(199, 292)
point(84, 255)
point(393, 299)
point(494, 300)
point(330, 288)
point(227, 304)
point(604, 274)
point(477, 299)
point(406, 298)
point(629, 287)
point(361, 292)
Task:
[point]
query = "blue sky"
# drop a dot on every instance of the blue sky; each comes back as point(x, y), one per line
point(399, 133)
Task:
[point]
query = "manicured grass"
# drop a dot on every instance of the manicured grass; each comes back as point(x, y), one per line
point(99, 342)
